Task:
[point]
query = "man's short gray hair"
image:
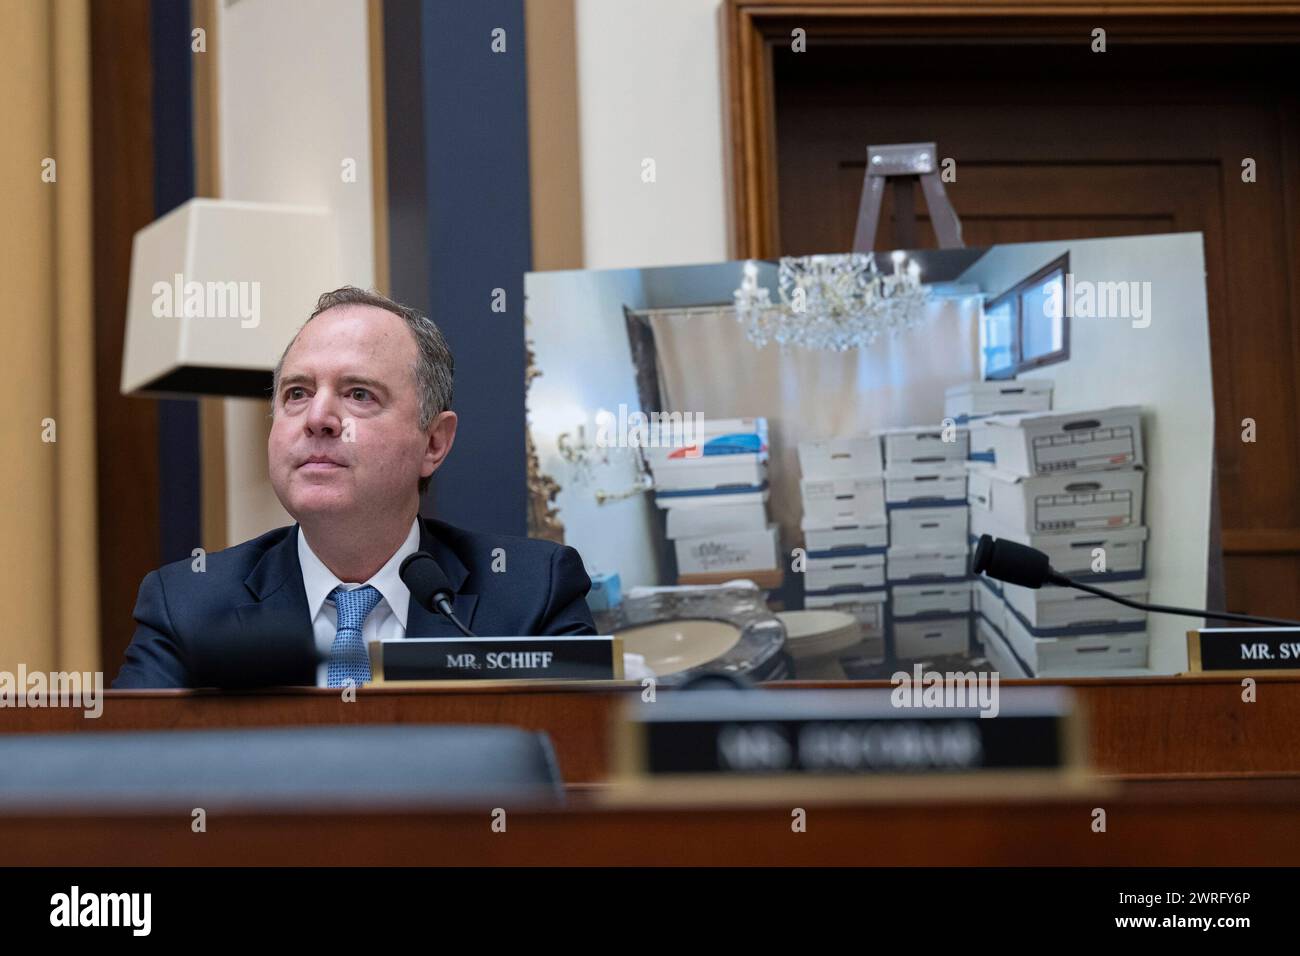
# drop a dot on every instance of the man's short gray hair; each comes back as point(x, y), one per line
point(434, 367)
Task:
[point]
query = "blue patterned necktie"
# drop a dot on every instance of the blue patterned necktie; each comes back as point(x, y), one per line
point(348, 658)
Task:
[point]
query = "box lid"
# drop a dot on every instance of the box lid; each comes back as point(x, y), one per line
point(918, 429)
point(1040, 421)
point(1052, 594)
point(1000, 387)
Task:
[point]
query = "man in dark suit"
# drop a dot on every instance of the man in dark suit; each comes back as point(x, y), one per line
point(361, 420)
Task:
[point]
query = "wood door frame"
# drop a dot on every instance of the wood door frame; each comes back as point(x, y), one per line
point(122, 193)
point(751, 27)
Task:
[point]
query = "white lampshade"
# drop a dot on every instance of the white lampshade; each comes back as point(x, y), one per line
point(218, 289)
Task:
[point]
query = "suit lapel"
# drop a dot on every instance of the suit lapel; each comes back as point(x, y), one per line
point(420, 621)
point(278, 612)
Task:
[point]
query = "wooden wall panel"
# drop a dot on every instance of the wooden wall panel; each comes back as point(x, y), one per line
point(1052, 142)
point(122, 162)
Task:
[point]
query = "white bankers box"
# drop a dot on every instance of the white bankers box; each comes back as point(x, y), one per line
point(974, 399)
point(918, 600)
point(923, 527)
point(927, 564)
point(836, 502)
point(998, 650)
point(840, 458)
point(941, 482)
point(1075, 553)
point(989, 605)
point(848, 573)
point(1055, 607)
point(1080, 501)
point(679, 437)
point(858, 537)
point(923, 444)
point(711, 472)
point(737, 551)
point(931, 637)
point(1081, 654)
point(694, 520)
point(1047, 443)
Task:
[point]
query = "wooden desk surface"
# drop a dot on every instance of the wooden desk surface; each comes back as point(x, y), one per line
point(1137, 727)
point(1169, 823)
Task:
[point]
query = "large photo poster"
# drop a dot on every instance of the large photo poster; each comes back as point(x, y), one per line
point(837, 431)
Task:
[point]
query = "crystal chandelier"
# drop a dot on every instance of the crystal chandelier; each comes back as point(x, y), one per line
point(831, 302)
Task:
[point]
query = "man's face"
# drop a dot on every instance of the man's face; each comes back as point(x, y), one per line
point(346, 437)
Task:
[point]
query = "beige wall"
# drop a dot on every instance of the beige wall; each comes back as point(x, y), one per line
point(650, 87)
point(576, 319)
point(293, 102)
point(612, 83)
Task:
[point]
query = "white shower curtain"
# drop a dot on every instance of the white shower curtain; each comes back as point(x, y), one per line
point(707, 365)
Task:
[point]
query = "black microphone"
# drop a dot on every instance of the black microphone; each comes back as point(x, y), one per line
point(1014, 563)
point(429, 585)
point(1028, 567)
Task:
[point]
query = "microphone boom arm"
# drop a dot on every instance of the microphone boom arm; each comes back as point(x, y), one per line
point(1023, 566)
point(1166, 609)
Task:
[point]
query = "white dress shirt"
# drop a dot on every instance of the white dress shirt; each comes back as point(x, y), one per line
point(385, 622)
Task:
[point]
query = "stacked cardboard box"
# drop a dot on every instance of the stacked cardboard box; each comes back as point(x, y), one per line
point(846, 533)
point(927, 564)
point(1070, 484)
point(971, 402)
point(714, 493)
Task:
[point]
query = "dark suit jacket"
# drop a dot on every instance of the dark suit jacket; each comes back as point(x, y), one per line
point(253, 593)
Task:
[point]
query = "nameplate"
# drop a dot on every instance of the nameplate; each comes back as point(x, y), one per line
point(498, 658)
point(839, 733)
point(1227, 649)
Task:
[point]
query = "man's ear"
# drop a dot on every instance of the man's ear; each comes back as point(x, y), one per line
point(442, 435)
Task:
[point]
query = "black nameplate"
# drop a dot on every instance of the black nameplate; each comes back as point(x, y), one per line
point(502, 658)
point(756, 733)
point(1244, 649)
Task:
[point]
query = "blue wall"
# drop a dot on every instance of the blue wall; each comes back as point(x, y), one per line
point(460, 227)
point(179, 474)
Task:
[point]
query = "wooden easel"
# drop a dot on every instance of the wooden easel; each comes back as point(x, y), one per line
point(900, 165)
